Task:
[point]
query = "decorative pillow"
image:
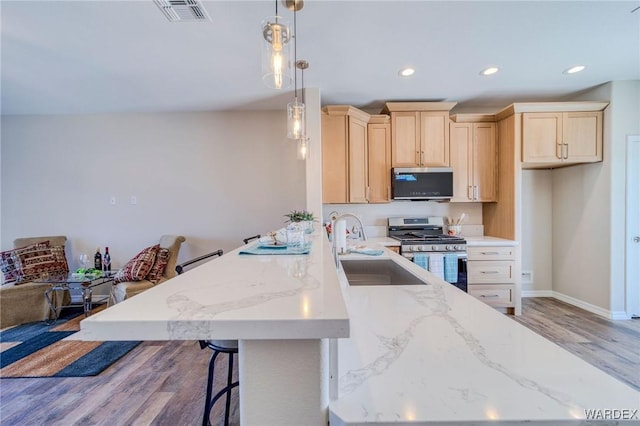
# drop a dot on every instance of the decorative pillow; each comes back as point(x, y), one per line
point(10, 260)
point(33, 263)
point(138, 267)
point(160, 264)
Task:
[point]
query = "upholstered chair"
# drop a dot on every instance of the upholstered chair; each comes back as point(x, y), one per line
point(127, 289)
point(24, 302)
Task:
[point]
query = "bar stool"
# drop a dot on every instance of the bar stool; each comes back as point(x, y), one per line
point(229, 347)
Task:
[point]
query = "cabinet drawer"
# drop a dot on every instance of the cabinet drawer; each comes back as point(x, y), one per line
point(491, 253)
point(490, 272)
point(494, 295)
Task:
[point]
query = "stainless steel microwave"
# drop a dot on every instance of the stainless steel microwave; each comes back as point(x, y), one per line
point(425, 183)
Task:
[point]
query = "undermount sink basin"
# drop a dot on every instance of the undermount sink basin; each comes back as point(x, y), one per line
point(378, 272)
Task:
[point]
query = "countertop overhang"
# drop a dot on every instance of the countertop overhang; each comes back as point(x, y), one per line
point(235, 297)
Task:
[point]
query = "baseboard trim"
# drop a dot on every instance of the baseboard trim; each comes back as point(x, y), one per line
point(537, 293)
point(614, 315)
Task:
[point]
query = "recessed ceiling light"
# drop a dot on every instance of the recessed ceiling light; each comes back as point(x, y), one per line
point(406, 72)
point(574, 69)
point(489, 71)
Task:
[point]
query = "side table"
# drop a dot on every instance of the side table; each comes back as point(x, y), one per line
point(84, 283)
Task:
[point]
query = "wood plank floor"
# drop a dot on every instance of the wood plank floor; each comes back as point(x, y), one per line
point(612, 346)
point(163, 383)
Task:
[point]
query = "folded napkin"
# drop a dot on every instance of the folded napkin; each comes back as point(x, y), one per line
point(451, 267)
point(436, 264)
point(257, 249)
point(281, 237)
point(421, 260)
point(366, 250)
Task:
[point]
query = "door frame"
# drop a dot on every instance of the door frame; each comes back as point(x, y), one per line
point(632, 227)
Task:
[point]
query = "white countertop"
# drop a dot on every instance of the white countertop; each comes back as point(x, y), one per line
point(433, 354)
point(489, 241)
point(384, 241)
point(235, 297)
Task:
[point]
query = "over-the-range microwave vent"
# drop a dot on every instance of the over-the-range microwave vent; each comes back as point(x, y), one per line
point(183, 10)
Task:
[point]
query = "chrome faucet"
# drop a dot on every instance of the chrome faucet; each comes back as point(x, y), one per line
point(334, 220)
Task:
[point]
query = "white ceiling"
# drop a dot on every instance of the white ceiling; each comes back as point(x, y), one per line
point(125, 56)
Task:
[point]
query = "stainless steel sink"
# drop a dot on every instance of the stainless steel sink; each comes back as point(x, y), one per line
point(377, 272)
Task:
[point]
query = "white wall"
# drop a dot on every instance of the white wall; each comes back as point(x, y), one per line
point(212, 177)
point(537, 230)
point(589, 208)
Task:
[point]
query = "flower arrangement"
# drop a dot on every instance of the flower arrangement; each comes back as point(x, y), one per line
point(300, 216)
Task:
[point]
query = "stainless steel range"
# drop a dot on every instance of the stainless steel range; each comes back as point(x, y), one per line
point(425, 235)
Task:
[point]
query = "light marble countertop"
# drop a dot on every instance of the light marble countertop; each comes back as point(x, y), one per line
point(489, 241)
point(434, 355)
point(384, 241)
point(235, 297)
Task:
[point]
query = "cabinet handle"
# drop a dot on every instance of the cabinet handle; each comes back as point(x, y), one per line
point(422, 158)
point(418, 157)
point(559, 145)
point(475, 193)
point(367, 195)
point(490, 272)
point(566, 155)
point(489, 295)
point(470, 192)
point(490, 252)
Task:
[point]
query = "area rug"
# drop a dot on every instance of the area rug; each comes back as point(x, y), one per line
point(39, 350)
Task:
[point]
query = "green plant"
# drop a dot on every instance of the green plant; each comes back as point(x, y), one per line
point(300, 216)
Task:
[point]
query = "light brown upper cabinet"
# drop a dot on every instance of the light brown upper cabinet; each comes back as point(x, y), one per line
point(473, 157)
point(419, 133)
point(554, 139)
point(344, 155)
point(379, 158)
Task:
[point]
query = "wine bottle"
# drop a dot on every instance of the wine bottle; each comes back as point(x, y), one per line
point(106, 260)
point(97, 260)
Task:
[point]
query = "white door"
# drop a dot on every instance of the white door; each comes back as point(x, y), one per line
point(633, 227)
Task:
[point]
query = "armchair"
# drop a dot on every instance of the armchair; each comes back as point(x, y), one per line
point(24, 302)
point(127, 289)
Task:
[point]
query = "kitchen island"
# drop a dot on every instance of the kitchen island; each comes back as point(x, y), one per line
point(431, 354)
point(283, 309)
point(419, 354)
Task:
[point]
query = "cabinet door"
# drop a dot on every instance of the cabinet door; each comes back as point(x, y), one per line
point(379, 162)
point(405, 139)
point(582, 137)
point(461, 158)
point(334, 159)
point(357, 161)
point(434, 138)
point(541, 137)
point(484, 161)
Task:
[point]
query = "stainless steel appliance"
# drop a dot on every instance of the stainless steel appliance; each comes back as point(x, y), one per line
point(425, 235)
point(427, 183)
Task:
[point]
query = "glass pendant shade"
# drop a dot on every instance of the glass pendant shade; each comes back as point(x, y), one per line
point(276, 53)
point(303, 149)
point(296, 120)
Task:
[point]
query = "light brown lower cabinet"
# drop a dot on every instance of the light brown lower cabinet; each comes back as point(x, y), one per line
point(491, 276)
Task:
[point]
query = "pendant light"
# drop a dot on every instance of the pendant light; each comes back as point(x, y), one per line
point(303, 141)
point(276, 52)
point(296, 117)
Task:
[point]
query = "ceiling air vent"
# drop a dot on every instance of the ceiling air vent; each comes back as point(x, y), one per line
point(183, 10)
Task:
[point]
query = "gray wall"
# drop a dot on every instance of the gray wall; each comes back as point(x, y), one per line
point(212, 177)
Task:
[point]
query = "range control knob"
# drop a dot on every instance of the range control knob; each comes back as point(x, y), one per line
point(450, 248)
point(460, 248)
point(434, 248)
point(407, 248)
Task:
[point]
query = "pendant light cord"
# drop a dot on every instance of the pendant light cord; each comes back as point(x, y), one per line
point(295, 51)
